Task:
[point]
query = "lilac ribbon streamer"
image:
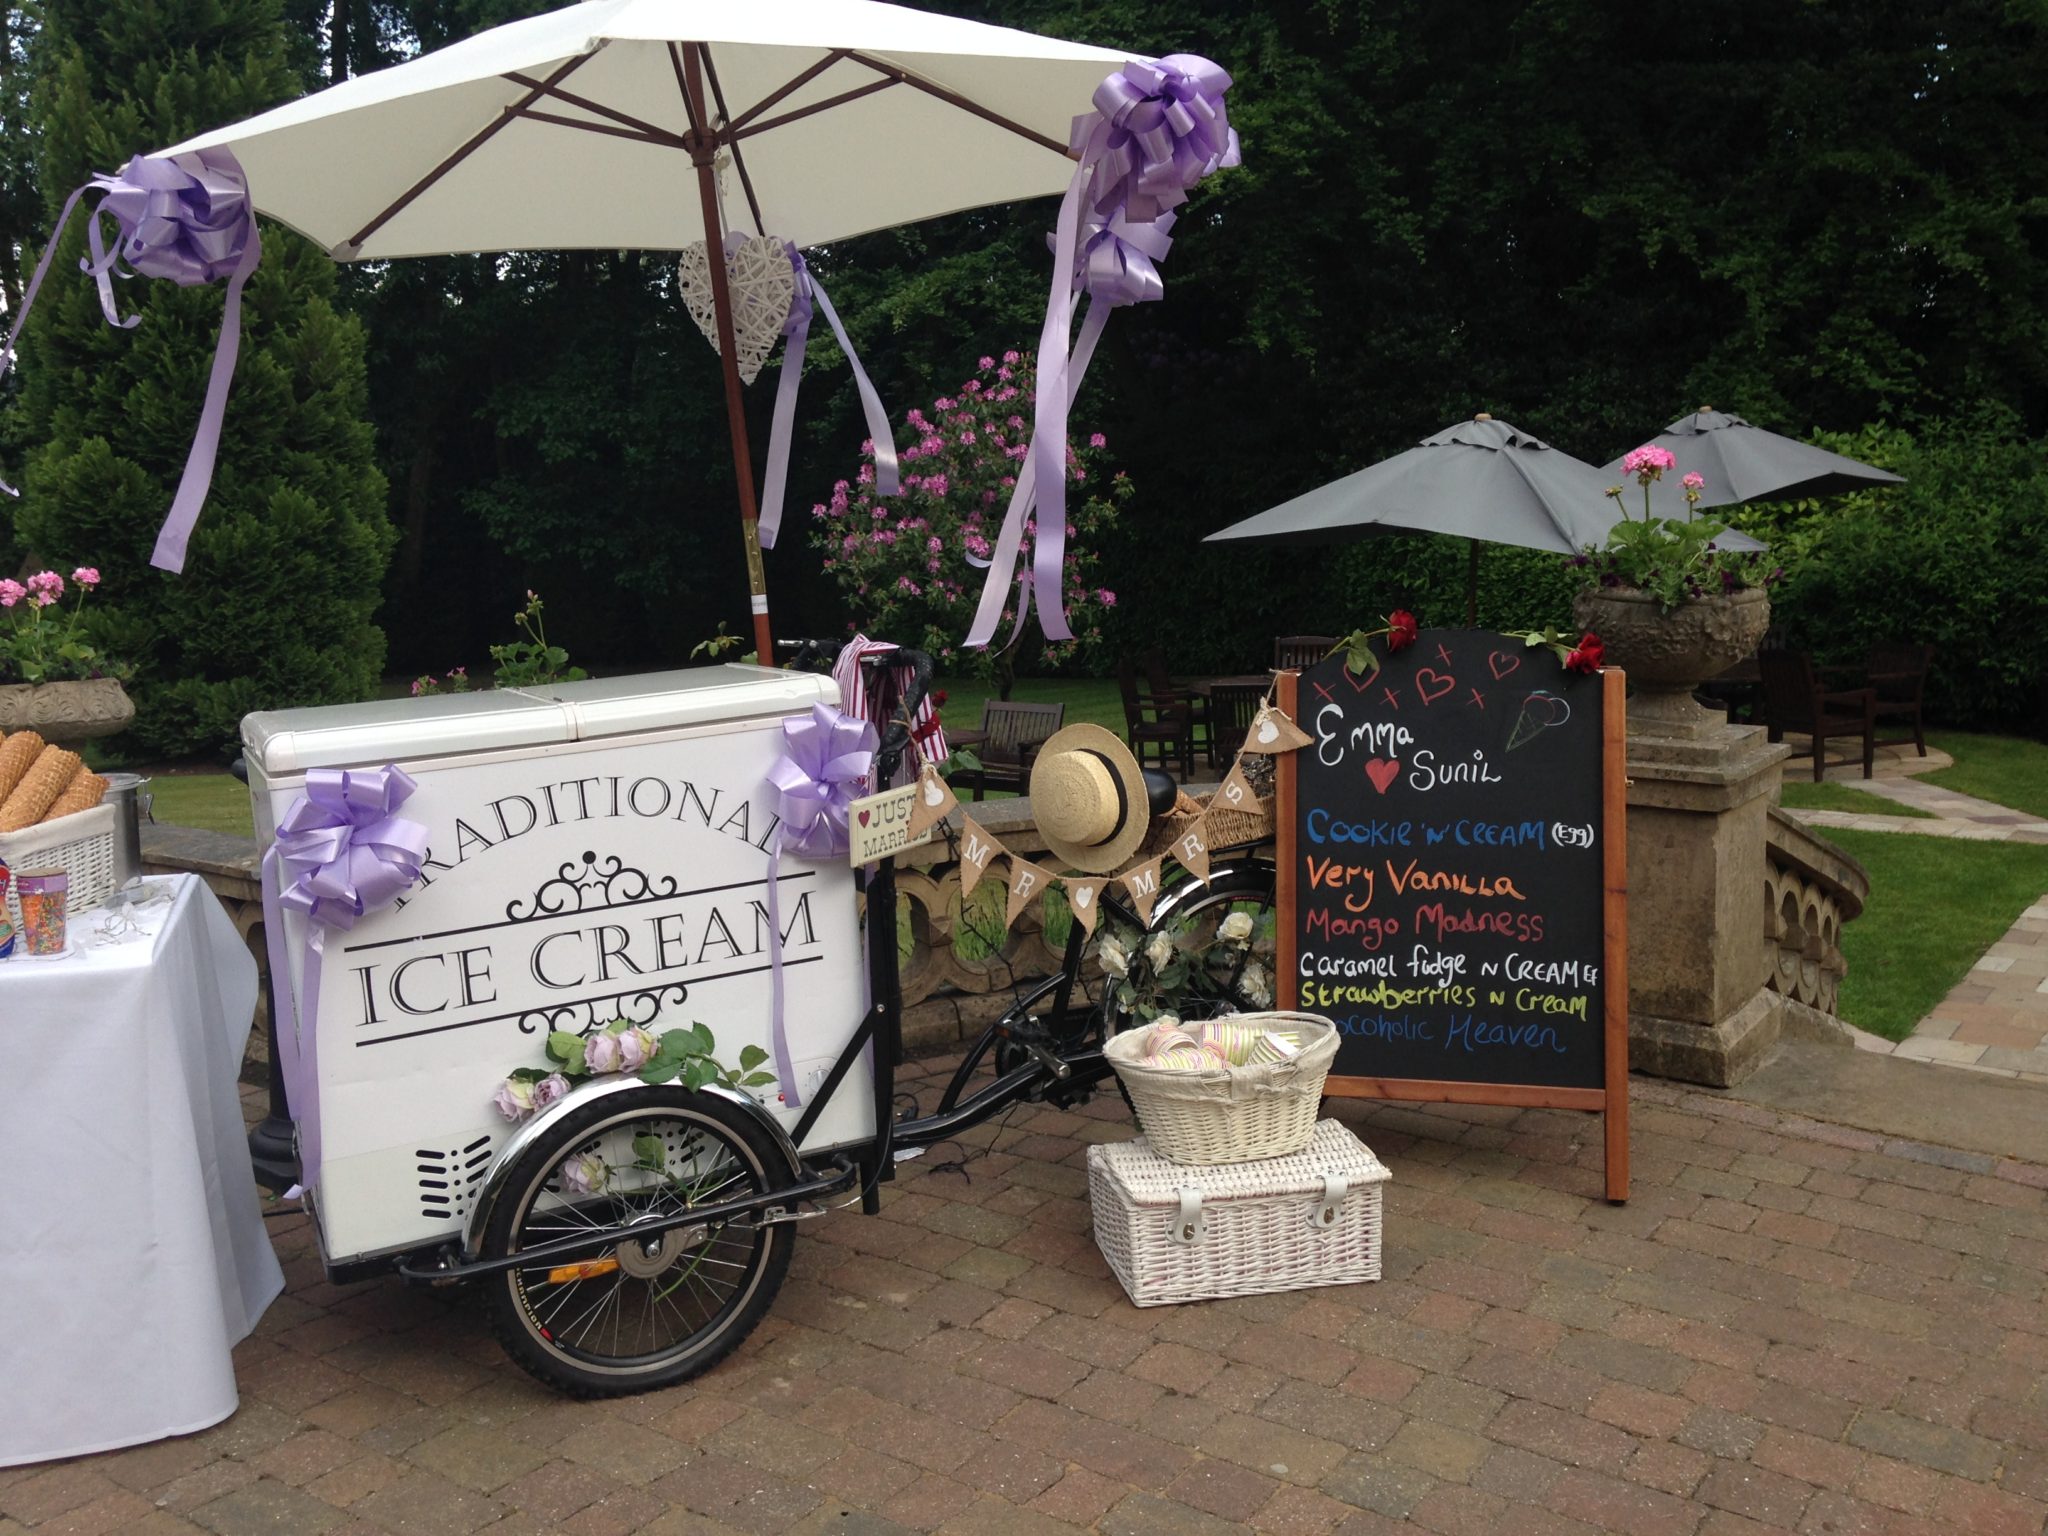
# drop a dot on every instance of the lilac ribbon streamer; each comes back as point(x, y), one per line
point(188, 219)
point(810, 291)
point(825, 763)
point(1156, 130)
point(342, 852)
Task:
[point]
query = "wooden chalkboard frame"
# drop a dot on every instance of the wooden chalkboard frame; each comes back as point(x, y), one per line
point(1611, 1101)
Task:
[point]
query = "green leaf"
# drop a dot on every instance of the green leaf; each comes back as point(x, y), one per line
point(529, 1074)
point(701, 1043)
point(751, 1057)
point(659, 1070)
point(698, 1073)
point(562, 1044)
point(757, 1079)
point(650, 1152)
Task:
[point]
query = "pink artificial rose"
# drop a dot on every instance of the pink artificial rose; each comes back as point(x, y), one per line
point(514, 1099)
point(11, 592)
point(1694, 482)
point(602, 1052)
point(549, 1089)
point(87, 576)
point(636, 1048)
point(584, 1174)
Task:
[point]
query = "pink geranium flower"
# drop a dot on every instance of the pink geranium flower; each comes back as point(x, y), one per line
point(1694, 482)
point(11, 592)
point(86, 576)
point(1647, 462)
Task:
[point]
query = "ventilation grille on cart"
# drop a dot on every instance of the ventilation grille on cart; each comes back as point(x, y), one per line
point(449, 1178)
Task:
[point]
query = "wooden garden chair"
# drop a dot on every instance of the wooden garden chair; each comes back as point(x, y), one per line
point(1795, 699)
point(1232, 707)
point(1011, 734)
point(1300, 652)
point(1156, 725)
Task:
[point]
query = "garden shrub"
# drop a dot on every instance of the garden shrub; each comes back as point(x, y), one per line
point(1954, 557)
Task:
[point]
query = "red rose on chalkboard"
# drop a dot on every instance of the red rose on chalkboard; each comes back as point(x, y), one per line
point(1402, 630)
point(1587, 655)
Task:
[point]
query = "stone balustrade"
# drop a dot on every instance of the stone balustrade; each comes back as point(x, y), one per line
point(1811, 888)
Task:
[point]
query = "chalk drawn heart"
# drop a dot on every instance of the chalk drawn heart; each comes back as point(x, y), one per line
point(1496, 660)
point(762, 281)
point(1548, 708)
point(1268, 731)
point(1422, 679)
point(933, 794)
point(1382, 771)
point(1083, 895)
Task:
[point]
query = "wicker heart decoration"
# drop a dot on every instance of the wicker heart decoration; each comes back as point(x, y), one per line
point(763, 283)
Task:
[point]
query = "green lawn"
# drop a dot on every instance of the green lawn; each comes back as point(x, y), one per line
point(218, 802)
point(2008, 770)
point(1801, 794)
point(1093, 700)
point(1936, 904)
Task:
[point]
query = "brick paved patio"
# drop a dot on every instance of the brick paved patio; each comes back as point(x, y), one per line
point(1790, 1327)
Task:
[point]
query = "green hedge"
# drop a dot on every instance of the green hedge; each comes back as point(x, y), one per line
point(1954, 556)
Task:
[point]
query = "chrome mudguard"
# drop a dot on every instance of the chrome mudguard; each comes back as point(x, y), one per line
point(517, 1144)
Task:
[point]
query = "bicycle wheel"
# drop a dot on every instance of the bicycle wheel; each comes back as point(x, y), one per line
point(1221, 977)
point(641, 1313)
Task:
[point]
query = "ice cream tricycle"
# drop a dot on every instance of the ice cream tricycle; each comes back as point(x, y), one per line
point(604, 851)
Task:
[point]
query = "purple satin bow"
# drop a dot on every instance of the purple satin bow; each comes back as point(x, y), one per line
point(810, 295)
point(189, 219)
point(1156, 130)
point(824, 767)
point(342, 852)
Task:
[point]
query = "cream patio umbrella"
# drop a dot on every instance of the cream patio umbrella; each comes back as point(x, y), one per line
point(810, 120)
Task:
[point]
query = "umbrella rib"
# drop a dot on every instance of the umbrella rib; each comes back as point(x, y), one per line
point(652, 130)
point(476, 141)
point(781, 92)
point(738, 163)
point(965, 104)
point(666, 141)
point(813, 109)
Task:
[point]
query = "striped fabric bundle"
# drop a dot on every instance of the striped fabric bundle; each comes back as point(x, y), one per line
point(925, 729)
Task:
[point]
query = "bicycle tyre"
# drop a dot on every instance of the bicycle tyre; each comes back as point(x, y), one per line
point(751, 1262)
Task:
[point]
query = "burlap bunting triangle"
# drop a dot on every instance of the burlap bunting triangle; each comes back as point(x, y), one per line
point(1272, 731)
point(976, 849)
point(935, 800)
point(1235, 791)
point(1142, 882)
point(1084, 898)
point(1028, 882)
point(1191, 848)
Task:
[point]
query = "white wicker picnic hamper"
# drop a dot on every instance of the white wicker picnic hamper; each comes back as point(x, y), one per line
point(1230, 1114)
point(81, 844)
point(1175, 1233)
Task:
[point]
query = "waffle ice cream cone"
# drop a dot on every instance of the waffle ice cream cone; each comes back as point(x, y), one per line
point(17, 755)
point(53, 769)
point(85, 791)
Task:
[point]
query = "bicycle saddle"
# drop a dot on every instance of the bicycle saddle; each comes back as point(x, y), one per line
point(1160, 790)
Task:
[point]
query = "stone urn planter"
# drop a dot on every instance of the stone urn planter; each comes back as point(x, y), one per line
point(65, 713)
point(1668, 654)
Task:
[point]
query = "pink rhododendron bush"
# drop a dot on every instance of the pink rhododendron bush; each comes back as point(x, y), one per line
point(911, 567)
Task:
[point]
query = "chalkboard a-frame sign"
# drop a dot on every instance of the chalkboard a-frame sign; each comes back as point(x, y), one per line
point(1453, 877)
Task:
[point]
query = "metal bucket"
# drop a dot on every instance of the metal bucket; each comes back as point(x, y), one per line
point(130, 796)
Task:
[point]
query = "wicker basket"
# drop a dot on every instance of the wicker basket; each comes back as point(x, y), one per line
point(1230, 1114)
point(1166, 829)
point(1177, 1234)
point(81, 844)
point(1229, 828)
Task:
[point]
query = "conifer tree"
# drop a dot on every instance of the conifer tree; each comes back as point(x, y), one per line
point(281, 582)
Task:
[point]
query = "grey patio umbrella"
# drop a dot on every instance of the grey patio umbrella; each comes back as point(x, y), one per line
point(1744, 463)
point(1482, 479)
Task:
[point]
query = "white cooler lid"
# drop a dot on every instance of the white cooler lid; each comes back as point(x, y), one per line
point(285, 741)
point(1146, 1178)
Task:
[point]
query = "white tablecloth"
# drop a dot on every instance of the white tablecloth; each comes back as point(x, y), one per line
point(133, 1255)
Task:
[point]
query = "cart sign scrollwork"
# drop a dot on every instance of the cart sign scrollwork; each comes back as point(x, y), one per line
point(590, 884)
point(588, 1015)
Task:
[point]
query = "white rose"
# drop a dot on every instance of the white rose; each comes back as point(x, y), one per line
point(1236, 928)
point(1159, 951)
point(1167, 1021)
point(1257, 984)
point(1114, 957)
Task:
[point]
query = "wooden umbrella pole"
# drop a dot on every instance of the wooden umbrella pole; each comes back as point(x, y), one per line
point(702, 140)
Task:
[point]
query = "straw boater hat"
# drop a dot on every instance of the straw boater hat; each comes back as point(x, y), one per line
point(1088, 795)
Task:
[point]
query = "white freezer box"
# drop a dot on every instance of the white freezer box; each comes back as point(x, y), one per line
point(596, 850)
